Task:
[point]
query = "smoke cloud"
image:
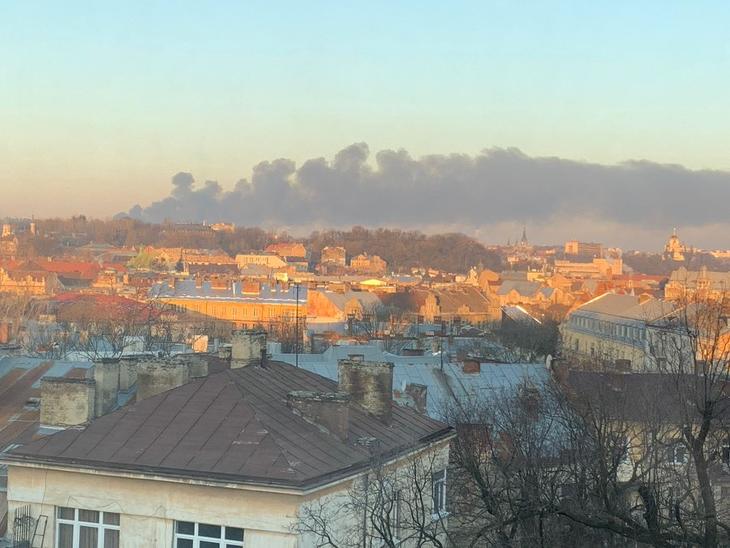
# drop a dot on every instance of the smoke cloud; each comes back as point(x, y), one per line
point(490, 195)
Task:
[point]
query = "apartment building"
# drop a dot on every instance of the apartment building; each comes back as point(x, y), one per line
point(266, 305)
point(225, 460)
point(614, 329)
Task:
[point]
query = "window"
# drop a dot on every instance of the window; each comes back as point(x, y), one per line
point(438, 487)
point(77, 528)
point(677, 453)
point(204, 535)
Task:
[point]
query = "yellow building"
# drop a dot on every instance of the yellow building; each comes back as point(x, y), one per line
point(703, 283)
point(674, 248)
point(22, 281)
point(267, 306)
point(260, 258)
point(614, 329)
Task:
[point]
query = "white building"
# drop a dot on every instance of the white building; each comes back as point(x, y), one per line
point(227, 460)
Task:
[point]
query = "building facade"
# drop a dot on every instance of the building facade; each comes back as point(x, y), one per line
point(267, 306)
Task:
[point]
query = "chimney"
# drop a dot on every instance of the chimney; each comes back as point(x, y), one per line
point(246, 347)
point(197, 366)
point(157, 376)
point(471, 366)
point(67, 402)
point(107, 373)
point(329, 411)
point(419, 395)
point(127, 374)
point(413, 351)
point(370, 385)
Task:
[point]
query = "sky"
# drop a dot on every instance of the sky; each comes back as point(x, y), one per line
point(102, 103)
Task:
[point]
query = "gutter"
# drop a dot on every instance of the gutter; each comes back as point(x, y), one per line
point(222, 480)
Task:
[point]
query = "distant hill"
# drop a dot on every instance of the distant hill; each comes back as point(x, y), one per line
point(402, 249)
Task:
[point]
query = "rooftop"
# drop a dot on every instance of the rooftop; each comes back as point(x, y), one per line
point(233, 426)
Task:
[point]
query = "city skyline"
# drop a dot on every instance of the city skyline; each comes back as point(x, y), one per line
point(106, 105)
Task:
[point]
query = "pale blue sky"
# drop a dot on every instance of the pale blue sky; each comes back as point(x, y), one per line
point(101, 103)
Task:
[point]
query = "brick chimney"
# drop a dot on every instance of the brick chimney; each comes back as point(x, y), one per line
point(246, 347)
point(370, 385)
point(329, 411)
point(471, 366)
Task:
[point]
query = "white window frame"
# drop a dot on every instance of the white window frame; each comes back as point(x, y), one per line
point(77, 524)
point(437, 512)
point(396, 516)
point(197, 538)
point(673, 456)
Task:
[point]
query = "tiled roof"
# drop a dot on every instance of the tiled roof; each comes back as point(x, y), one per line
point(233, 426)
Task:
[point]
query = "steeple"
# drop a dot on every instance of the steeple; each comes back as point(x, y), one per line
point(523, 240)
point(180, 266)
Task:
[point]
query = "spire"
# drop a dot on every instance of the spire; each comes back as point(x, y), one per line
point(523, 241)
point(180, 266)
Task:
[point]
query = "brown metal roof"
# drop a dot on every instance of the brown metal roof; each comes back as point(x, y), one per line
point(233, 426)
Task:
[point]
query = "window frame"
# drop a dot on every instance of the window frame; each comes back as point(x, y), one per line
point(76, 525)
point(675, 450)
point(223, 542)
point(438, 510)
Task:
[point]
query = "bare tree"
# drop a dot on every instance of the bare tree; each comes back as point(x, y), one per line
point(392, 504)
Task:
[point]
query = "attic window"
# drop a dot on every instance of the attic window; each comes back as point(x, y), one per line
point(32, 403)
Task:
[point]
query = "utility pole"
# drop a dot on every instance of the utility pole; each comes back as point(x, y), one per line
point(441, 345)
point(296, 328)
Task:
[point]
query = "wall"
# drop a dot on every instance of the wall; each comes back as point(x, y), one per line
point(241, 312)
point(150, 508)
